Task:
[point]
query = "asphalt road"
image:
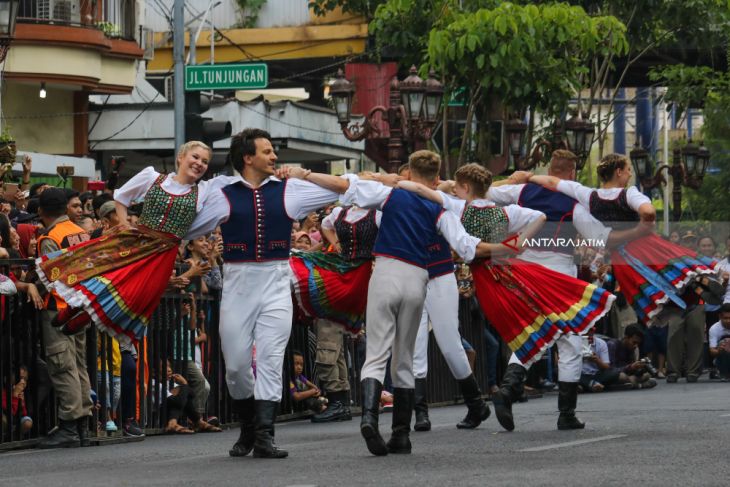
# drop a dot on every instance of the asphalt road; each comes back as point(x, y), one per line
point(674, 434)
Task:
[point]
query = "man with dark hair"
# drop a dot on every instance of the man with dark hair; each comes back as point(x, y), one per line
point(256, 214)
point(66, 355)
point(74, 208)
point(36, 189)
point(624, 356)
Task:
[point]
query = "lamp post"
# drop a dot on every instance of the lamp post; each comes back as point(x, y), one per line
point(576, 135)
point(579, 134)
point(412, 113)
point(688, 168)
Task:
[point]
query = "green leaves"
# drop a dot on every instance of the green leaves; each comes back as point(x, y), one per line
point(533, 54)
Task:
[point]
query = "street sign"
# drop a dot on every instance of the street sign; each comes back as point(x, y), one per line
point(226, 77)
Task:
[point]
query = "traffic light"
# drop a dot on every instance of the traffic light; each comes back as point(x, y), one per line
point(202, 128)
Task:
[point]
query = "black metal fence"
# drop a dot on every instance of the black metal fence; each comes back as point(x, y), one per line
point(183, 335)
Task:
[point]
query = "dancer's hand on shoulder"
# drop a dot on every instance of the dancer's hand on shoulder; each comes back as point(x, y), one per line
point(520, 177)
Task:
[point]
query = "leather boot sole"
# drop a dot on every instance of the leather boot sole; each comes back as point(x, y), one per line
point(332, 419)
point(270, 454)
point(469, 424)
point(240, 450)
point(570, 424)
point(422, 426)
point(373, 440)
point(399, 446)
point(503, 412)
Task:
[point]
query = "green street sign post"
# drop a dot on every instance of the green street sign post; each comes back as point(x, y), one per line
point(249, 76)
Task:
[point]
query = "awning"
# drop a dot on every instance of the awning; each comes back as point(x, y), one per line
point(47, 164)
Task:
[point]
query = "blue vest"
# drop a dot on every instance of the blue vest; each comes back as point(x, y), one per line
point(258, 228)
point(407, 226)
point(441, 262)
point(558, 209)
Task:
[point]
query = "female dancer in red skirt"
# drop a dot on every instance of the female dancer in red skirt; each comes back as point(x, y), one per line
point(529, 305)
point(650, 270)
point(333, 285)
point(117, 280)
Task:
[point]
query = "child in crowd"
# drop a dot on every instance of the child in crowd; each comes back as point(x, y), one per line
point(302, 389)
point(301, 241)
point(18, 408)
point(179, 401)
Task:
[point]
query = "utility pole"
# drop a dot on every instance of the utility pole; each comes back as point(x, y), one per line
point(178, 57)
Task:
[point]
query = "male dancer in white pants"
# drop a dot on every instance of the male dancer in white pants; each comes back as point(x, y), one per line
point(256, 215)
point(397, 291)
point(442, 308)
point(566, 218)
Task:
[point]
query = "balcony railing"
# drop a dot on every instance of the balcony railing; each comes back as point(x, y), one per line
point(115, 18)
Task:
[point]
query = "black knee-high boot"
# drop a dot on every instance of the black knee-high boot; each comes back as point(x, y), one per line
point(400, 441)
point(511, 389)
point(264, 446)
point(567, 402)
point(246, 410)
point(420, 406)
point(371, 390)
point(478, 409)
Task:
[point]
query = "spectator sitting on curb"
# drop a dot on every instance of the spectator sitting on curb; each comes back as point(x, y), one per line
point(302, 389)
point(597, 372)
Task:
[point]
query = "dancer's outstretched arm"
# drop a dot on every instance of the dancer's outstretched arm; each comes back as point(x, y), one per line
point(550, 182)
point(336, 184)
point(421, 190)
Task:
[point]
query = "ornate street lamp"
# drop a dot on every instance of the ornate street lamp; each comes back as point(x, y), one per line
point(644, 168)
point(703, 161)
point(640, 158)
point(579, 134)
point(8, 16)
point(411, 115)
point(516, 128)
point(412, 93)
point(688, 169)
point(342, 91)
point(689, 158)
point(434, 97)
point(696, 159)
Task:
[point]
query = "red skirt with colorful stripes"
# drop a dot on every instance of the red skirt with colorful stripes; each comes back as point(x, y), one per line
point(330, 287)
point(531, 306)
point(118, 279)
point(651, 271)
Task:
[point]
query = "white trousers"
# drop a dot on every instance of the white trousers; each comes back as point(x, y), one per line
point(570, 358)
point(396, 293)
point(442, 308)
point(256, 307)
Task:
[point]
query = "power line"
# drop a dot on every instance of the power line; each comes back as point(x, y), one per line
point(144, 109)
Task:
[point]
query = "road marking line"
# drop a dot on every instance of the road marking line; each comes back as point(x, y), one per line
point(571, 443)
point(725, 415)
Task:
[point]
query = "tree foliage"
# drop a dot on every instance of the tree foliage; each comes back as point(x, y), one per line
point(530, 55)
point(690, 86)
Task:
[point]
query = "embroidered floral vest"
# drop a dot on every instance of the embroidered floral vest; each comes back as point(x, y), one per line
point(490, 224)
point(169, 213)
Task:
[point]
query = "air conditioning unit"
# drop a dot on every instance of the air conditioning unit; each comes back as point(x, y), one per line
point(68, 11)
